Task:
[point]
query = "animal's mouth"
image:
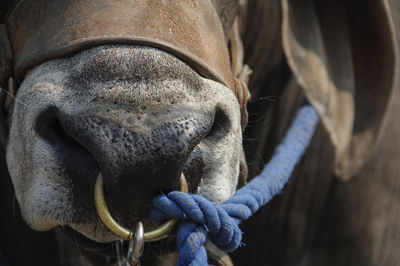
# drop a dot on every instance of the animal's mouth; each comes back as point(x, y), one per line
point(102, 252)
point(109, 253)
point(97, 253)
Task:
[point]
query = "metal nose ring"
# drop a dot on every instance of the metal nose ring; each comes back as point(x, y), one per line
point(105, 216)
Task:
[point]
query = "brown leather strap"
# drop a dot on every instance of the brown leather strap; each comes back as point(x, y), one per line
point(191, 30)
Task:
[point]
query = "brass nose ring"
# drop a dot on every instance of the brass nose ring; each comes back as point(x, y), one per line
point(105, 216)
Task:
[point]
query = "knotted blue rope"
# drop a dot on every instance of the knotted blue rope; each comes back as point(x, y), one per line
point(204, 220)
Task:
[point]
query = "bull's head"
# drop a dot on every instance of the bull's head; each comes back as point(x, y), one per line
point(143, 92)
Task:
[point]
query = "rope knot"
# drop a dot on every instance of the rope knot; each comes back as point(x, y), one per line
point(223, 229)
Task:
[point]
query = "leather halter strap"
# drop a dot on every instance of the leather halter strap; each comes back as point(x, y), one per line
point(191, 30)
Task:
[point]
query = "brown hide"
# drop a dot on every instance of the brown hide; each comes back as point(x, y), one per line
point(320, 219)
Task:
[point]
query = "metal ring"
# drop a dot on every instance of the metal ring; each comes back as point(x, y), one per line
point(105, 216)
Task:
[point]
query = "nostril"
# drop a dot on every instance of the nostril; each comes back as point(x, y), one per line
point(44, 122)
point(48, 127)
point(221, 125)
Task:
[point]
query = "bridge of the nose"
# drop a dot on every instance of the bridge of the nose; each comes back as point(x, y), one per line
point(138, 161)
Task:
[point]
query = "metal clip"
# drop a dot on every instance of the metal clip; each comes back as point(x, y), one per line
point(136, 246)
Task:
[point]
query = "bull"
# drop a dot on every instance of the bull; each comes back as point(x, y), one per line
point(142, 111)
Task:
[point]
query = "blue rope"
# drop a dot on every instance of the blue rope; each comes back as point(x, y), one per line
point(204, 220)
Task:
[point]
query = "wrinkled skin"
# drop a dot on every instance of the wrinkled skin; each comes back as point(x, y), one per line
point(138, 115)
